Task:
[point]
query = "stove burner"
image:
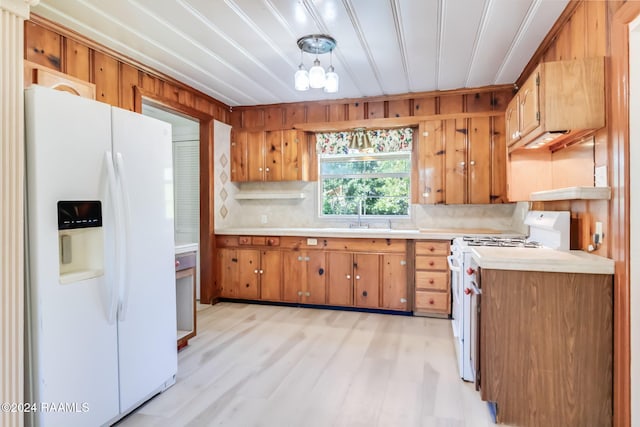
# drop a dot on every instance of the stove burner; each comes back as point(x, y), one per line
point(507, 242)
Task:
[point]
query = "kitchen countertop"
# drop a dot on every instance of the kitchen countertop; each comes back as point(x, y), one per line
point(541, 259)
point(186, 247)
point(380, 233)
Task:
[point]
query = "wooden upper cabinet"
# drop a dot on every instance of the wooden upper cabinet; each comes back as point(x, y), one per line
point(461, 161)
point(239, 168)
point(429, 163)
point(559, 102)
point(529, 104)
point(479, 161)
point(256, 156)
point(267, 156)
point(273, 156)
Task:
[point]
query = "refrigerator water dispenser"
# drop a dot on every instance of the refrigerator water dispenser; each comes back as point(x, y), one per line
point(81, 240)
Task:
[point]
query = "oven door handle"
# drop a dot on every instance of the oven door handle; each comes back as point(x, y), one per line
point(450, 259)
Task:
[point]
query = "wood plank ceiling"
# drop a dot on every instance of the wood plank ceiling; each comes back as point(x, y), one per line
point(244, 52)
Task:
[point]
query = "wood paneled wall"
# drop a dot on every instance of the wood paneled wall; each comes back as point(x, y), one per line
point(285, 116)
point(114, 75)
point(122, 82)
point(598, 28)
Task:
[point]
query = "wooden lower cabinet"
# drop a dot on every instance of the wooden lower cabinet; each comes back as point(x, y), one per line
point(304, 277)
point(545, 345)
point(250, 274)
point(337, 272)
point(432, 289)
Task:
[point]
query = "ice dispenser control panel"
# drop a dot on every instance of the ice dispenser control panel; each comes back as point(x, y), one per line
point(80, 240)
point(79, 214)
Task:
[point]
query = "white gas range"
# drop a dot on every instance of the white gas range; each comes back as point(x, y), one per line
point(547, 229)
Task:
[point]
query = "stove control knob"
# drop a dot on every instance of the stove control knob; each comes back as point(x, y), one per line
point(467, 291)
point(470, 271)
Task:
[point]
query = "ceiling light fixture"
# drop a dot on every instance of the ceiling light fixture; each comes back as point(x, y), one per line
point(316, 77)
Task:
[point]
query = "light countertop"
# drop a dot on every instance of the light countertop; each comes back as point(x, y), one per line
point(380, 233)
point(186, 247)
point(541, 259)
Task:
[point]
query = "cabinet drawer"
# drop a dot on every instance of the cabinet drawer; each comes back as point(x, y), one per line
point(432, 248)
point(433, 280)
point(431, 263)
point(433, 301)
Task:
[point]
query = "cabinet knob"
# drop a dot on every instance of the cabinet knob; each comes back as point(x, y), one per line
point(177, 263)
point(255, 271)
point(472, 162)
point(261, 271)
point(431, 301)
point(267, 169)
point(431, 249)
point(431, 281)
point(299, 293)
point(348, 276)
point(259, 169)
point(364, 293)
point(321, 271)
point(299, 258)
point(431, 263)
point(308, 294)
point(357, 277)
point(462, 163)
point(403, 300)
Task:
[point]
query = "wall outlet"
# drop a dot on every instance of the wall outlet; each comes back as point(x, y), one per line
point(312, 242)
point(263, 219)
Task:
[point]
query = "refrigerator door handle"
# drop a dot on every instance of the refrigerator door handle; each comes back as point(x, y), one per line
point(114, 285)
point(125, 233)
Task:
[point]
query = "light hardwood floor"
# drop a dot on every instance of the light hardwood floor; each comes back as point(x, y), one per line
point(258, 365)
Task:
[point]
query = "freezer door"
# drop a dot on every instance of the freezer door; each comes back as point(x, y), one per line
point(147, 318)
point(71, 347)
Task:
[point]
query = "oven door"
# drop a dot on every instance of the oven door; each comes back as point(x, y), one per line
point(474, 316)
point(455, 261)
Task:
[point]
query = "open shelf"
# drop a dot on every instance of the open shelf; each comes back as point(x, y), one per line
point(572, 193)
point(261, 195)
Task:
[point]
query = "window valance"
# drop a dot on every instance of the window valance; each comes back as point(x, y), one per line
point(365, 141)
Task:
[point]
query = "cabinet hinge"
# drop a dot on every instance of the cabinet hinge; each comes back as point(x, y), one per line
point(538, 80)
point(538, 116)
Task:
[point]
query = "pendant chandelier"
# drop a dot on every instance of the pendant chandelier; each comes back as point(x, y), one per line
point(316, 77)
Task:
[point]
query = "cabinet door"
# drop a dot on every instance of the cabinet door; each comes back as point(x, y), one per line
point(512, 124)
point(367, 280)
point(273, 156)
point(316, 278)
point(455, 137)
point(271, 274)
point(340, 290)
point(430, 163)
point(239, 167)
point(479, 167)
point(228, 272)
point(293, 268)
point(529, 106)
point(249, 265)
point(291, 142)
point(394, 282)
point(255, 156)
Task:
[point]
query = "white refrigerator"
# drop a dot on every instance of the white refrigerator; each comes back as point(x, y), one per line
point(101, 309)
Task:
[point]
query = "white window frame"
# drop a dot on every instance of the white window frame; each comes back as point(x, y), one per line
point(358, 157)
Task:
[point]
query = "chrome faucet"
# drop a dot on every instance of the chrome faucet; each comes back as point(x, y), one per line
point(359, 224)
